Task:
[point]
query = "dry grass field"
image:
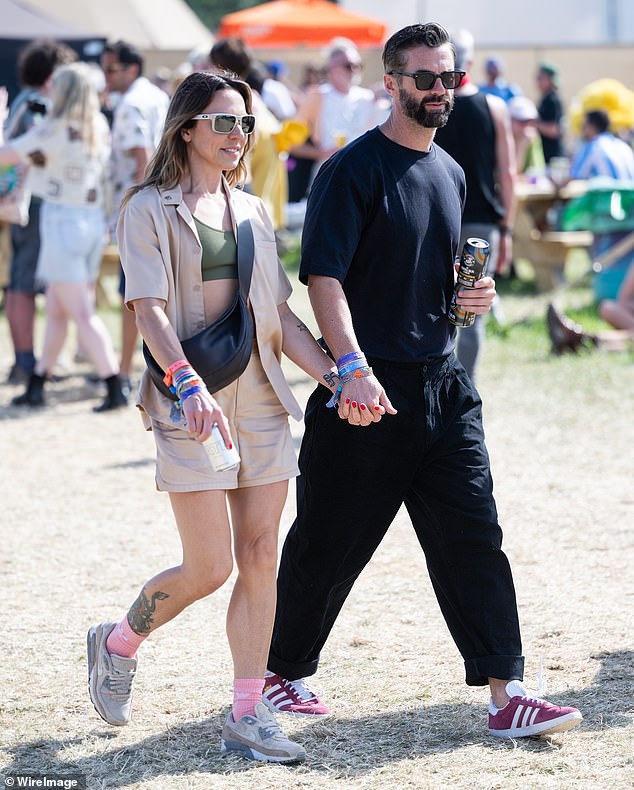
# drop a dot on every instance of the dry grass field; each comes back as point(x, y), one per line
point(82, 527)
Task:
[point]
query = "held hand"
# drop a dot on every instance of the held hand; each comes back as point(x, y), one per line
point(364, 401)
point(479, 298)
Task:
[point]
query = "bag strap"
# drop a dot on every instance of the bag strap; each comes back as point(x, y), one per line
point(246, 252)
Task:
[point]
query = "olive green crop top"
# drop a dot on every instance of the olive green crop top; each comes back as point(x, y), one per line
point(220, 261)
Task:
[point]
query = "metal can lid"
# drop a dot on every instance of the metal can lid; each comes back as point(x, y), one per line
point(478, 243)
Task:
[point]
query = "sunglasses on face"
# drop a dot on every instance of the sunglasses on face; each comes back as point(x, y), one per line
point(225, 122)
point(425, 80)
point(114, 69)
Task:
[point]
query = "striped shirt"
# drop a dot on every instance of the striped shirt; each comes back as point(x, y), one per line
point(605, 155)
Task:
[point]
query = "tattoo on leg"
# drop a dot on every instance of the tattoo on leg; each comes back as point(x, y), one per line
point(302, 327)
point(141, 611)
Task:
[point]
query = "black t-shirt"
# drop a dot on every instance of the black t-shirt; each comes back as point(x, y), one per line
point(551, 109)
point(385, 220)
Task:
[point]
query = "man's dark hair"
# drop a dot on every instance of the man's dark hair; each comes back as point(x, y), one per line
point(126, 54)
point(232, 54)
point(428, 35)
point(599, 119)
point(39, 59)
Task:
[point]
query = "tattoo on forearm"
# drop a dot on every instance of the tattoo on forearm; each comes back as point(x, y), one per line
point(141, 611)
point(302, 326)
point(331, 379)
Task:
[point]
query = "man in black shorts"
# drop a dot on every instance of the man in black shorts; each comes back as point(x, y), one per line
point(381, 233)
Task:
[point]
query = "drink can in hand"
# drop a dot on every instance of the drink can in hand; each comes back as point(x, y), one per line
point(221, 457)
point(473, 264)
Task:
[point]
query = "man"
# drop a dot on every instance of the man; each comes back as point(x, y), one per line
point(495, 83)
point(605, 156)
point(602, 153)
point(339, 110)
point(487, 156)
point(551, 111)
point(137, 123)
point(382, 229)
point(36, 64)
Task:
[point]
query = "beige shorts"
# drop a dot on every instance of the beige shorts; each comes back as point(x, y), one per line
point(259, 429)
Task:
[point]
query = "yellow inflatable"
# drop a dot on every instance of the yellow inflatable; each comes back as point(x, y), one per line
point(608, 95)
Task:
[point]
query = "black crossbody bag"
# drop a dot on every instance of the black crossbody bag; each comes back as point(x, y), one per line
point(220, 352)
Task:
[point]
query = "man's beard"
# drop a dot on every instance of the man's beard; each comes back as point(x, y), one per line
point(417, 111)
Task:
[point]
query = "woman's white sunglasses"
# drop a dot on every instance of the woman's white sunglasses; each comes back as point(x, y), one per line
point(225, 122)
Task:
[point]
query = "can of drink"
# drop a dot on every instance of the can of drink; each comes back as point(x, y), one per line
point(221, 457)
point(473, 263)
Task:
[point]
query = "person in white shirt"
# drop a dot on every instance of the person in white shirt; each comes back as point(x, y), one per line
point(339, 110)
point(602, 153)
point(138, 119)
point(70, 149)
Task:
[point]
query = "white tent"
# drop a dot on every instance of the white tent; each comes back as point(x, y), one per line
point(21, 24)
point(164, 30)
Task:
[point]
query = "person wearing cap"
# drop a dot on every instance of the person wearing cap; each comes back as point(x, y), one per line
point(551, 111)
point(495, 83)
point(529, 150)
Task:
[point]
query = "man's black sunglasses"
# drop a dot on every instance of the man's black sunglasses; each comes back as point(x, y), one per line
point(425, 80)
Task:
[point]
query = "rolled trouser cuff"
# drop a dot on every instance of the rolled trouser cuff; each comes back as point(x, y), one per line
point(479, 670)
point(291, 670)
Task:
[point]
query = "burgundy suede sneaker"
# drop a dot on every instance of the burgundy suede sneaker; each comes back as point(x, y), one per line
point(293, 697)
point(525, 715)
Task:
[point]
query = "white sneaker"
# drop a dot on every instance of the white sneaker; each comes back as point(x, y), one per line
point(109, 677)
point(260, 737)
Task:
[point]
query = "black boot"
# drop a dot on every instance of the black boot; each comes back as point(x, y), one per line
point(115, 398)
point(34, 394)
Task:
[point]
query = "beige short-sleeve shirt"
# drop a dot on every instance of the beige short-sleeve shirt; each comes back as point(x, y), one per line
point(161, 256)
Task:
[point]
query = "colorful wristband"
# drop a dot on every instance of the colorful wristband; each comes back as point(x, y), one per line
point(169, 373)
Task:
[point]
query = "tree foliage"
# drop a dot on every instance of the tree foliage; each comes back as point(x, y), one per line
point(211, 11)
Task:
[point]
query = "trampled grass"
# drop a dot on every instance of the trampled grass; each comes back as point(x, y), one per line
point(82, 527)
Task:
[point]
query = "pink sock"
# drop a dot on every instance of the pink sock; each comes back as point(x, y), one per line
point(123, 641)
point(247, 692)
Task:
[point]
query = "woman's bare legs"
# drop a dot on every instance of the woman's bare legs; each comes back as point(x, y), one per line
point(256, 514)
point(203, 526)
point(74, 301)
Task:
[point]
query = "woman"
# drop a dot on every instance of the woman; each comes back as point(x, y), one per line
point(69, 152)
point(178, 250)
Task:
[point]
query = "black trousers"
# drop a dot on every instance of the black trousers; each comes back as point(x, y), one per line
point(431, 456)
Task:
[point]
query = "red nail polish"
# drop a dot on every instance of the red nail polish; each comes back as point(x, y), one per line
point(377, 408)
point(231, 445)
point(362, 406)
point(347, 401)
point(354, 404)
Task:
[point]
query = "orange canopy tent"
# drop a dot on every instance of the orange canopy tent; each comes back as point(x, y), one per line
point(296, 23)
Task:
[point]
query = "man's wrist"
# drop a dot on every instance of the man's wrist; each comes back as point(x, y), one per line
point(505, 230)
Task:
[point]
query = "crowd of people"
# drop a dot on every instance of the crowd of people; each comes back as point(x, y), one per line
point(393, 188)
